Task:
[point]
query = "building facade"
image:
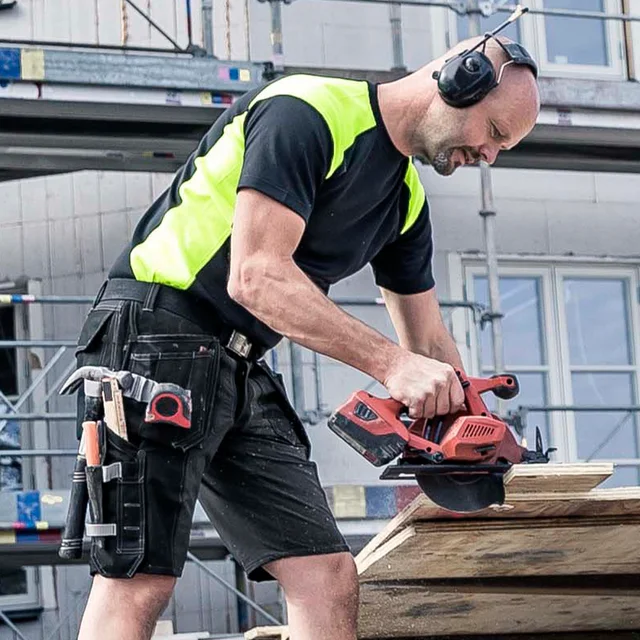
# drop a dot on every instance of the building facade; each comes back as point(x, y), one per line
point(567, 242)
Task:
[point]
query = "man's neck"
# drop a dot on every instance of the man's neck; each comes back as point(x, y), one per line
point(403, 104)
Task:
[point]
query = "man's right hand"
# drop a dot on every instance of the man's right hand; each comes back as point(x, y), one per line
point(426, 387)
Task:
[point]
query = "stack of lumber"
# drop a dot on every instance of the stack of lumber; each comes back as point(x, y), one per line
point(561, 555)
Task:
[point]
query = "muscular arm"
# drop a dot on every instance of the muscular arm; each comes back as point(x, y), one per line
point(418, 323)
point(266, 281)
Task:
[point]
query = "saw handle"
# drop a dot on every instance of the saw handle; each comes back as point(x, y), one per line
point(505, 387)
point(508, 387)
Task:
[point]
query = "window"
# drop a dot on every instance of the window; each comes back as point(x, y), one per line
point(599, 365)
point(576, 40)
point(524, 341)
point(570, 336)
point(562, 45)
point(569, 45)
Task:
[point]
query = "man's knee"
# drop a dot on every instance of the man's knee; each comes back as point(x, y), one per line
point(323, 578)
point(146, 593)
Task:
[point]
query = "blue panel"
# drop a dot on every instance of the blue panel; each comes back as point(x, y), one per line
point(234, 74)
point(10, 64)
point(28, 506)
point(381, 502)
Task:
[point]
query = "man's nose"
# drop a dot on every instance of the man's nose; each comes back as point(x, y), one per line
point(489, 153)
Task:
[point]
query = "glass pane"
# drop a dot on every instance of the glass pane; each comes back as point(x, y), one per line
point(8, 371)
point(13, 582)
point(521, 306)
point(597, 321)
point(488, 24)
point(608, 434)
point(533, 391)
point(576, 40)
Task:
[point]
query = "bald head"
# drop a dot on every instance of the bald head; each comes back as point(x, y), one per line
point(504, 67)
point(498, 122)
point(448, 137)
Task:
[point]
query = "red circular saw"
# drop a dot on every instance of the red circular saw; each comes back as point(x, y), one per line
point(458, 460)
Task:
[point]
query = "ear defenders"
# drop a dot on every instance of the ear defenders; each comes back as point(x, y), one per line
point(468, 77)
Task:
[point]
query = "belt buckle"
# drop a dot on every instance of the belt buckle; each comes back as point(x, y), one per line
point(239, 344)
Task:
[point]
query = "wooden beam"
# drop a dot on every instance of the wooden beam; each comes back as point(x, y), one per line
point(416, 611)
point(597, 502)
point(554, 478)
point(548, 547)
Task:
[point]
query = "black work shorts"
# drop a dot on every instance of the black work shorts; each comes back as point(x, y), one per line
point(246, 456)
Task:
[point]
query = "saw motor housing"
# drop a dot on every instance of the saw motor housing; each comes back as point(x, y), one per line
point(374, 427)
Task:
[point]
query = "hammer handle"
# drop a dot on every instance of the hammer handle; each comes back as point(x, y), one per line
point(71, 545)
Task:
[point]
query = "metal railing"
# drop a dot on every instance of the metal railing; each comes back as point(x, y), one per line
point(191, 49)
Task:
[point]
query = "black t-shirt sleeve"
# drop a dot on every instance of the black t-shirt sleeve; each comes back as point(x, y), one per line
point(404, 265)
point(288, 149)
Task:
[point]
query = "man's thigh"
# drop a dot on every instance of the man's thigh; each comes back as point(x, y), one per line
point(261, 490)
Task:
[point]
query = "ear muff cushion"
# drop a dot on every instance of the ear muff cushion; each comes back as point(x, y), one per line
point(466, 79)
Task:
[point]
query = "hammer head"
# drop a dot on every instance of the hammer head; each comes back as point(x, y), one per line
point(77, 378)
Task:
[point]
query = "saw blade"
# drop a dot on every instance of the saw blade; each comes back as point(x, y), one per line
point(463, 492)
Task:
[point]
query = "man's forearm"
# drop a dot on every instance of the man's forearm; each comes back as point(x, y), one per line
point(418, 322)
point(284, 298)
point(442, 347)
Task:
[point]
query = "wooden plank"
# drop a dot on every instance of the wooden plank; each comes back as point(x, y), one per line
point(548, 547)
point(556, 477)
point(419, 611)
point(621, 501)
point(597, 635)
point(268, 633)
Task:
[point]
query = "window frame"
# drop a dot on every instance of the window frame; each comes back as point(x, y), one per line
point(24, 601)
point(534, 32)
point(593, 273)
point(557, 427)
point(552, 270)
point(533, 37)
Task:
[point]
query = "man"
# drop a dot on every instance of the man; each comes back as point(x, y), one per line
point(298, 185)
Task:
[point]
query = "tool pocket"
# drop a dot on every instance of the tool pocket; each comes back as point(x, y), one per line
point(94, 333)
point(286, 407)
point(189, 361)
point(118, 519)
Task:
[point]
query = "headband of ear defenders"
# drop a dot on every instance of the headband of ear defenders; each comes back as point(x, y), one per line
point(468, 77)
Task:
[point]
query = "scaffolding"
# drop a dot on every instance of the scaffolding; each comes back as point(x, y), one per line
point(197, 68)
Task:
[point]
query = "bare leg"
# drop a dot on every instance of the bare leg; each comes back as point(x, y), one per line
point(322, 595)
point(121, 608)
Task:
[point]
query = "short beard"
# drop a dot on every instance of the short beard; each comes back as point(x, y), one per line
point(442, 162)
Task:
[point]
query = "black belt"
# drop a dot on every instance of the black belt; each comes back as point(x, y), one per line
point(154, 295)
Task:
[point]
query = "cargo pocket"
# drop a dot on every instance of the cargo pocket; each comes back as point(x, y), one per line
point(283, 402)
point(94, 331)
point(95, 346)
point(190, 361)
point(120, 549)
